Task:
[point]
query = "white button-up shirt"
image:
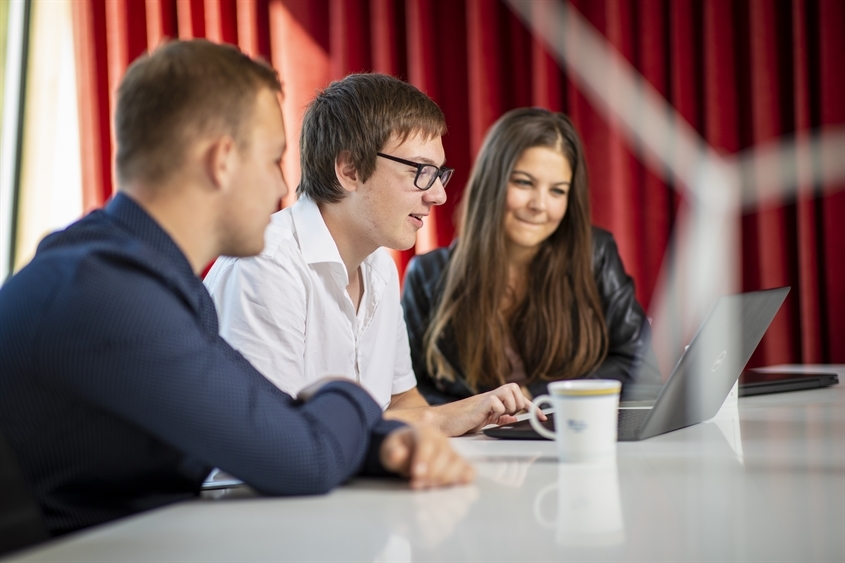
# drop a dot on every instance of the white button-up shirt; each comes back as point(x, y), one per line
point(287, 310)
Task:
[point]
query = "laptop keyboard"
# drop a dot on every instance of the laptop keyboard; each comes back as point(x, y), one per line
point(631, 419)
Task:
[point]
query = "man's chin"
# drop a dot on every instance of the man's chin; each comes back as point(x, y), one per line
point(244, 250)
point(401, 245)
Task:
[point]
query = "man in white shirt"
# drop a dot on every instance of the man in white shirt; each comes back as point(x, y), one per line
point(372, 170)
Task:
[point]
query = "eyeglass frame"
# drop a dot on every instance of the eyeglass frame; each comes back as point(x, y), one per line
point(441, 170)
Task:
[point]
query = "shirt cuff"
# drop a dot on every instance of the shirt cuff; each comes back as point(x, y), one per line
point(372, 462)
point(379, 428)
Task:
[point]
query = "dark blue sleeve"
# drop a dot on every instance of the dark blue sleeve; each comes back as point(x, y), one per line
point(119, 340)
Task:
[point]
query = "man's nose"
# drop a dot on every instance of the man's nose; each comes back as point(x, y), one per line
point(436, 194)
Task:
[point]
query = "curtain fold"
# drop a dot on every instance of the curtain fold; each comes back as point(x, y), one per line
point(739, 72)
point(827, 105)
point(89, 26)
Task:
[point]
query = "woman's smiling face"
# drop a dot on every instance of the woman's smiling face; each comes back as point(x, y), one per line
point(538, 195)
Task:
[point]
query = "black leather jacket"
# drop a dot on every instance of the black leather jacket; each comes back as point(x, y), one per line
point(630, 358)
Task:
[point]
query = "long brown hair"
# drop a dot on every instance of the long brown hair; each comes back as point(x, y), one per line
point(558, 328)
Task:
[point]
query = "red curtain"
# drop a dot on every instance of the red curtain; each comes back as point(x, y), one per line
point(741, 72)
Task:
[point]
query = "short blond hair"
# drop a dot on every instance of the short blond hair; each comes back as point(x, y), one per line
point(182, 91)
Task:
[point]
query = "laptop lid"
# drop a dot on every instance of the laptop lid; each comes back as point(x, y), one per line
point(712, 363)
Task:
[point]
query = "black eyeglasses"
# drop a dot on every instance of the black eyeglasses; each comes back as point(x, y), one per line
point(427, 174)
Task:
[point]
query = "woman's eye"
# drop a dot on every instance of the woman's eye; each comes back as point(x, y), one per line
point(559, 191)
point(521, 182)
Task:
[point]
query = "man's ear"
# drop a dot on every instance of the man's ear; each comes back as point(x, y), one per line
point(221, 159)
point(346, 172)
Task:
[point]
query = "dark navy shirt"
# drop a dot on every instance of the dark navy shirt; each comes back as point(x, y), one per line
point(118, 394)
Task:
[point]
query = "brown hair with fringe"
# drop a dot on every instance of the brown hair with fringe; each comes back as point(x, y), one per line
point(359, 114)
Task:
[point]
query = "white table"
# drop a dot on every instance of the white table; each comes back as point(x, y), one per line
point(761, 482)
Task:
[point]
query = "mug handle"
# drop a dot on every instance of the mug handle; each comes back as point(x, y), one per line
point(535, 424)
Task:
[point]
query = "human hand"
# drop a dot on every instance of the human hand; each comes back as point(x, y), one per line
point(525, 392)
point(474, 413)
point(423, 454)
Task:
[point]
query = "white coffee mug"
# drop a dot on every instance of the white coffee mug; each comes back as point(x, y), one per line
point(585, 418)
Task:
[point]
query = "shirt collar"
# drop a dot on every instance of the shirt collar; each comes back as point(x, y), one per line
point(315, 240)
point(318, 246)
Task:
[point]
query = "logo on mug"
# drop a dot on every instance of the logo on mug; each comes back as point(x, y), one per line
point(576, 425)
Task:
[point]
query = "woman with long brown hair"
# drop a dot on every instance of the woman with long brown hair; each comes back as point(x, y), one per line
point(530, 292)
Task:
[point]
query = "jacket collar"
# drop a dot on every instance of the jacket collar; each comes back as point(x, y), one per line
point(158, 252)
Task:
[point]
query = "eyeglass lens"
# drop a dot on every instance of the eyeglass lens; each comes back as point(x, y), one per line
point(428, 175)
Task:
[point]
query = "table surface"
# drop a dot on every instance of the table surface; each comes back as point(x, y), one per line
point(763, 480)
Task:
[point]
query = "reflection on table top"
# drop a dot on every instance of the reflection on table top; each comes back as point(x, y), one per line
point(764, 481)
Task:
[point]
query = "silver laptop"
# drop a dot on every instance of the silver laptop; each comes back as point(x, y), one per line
point(702, 378)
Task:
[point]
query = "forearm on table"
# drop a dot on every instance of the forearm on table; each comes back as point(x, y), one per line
point(435, 396)
point(236, 420)
point(453, 419)
point(414, 416)
point(411, 407)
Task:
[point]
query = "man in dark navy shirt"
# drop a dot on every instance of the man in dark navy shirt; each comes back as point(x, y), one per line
point(116, 391)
